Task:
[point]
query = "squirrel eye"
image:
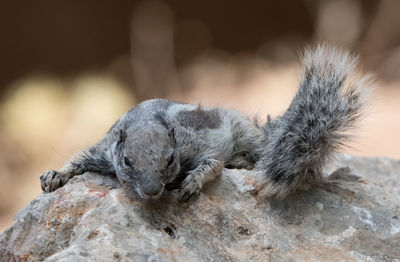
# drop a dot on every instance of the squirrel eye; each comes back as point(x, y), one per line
point(170, 160)
point(127, 162)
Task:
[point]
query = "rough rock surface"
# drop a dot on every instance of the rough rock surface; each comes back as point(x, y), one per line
point(352, 216)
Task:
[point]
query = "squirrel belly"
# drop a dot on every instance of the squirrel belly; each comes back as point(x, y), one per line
point(164, 145)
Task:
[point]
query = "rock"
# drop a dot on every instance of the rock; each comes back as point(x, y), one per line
point(353, 215)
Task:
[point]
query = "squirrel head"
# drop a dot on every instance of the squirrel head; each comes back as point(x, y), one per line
point(146, 159)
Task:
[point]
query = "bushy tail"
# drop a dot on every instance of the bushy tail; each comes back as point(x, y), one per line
point(317, 123)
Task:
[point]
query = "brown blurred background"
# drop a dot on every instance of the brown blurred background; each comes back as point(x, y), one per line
point(69, 69)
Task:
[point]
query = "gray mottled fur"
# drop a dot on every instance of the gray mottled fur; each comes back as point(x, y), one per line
point(163, 145)
point(317, 123)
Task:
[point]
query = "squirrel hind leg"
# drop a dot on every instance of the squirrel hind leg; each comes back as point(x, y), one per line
point(245, 160)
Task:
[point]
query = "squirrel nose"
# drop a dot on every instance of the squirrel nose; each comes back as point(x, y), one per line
point(153, 190)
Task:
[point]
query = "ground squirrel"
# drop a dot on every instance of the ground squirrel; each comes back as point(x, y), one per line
point(164, 145)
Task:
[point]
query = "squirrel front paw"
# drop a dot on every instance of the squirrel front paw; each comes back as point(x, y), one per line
point(189, 188)
point(51, 180)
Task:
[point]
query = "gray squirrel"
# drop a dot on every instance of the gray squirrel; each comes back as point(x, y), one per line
point(164, 145)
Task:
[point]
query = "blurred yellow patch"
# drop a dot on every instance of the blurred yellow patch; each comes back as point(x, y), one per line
point(34, 110)
point(44, 114)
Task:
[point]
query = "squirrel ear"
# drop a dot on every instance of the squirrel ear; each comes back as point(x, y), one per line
point(171, 134)
point(122, 137)
point(161, 116)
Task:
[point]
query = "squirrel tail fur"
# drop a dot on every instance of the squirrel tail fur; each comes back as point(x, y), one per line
point(317, 123)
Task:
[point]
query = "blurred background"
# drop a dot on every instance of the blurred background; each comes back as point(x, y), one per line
point(69, 69)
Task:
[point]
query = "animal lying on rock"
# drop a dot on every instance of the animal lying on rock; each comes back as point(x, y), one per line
point(164, 145)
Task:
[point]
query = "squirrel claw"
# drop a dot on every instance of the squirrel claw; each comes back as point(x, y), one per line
point(190, 187)
point(51, 180)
